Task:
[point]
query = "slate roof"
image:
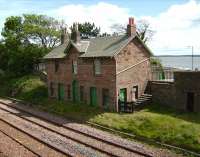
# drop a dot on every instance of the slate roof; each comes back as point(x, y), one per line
point(105, 46)
point(58, 52)
point(93, 47)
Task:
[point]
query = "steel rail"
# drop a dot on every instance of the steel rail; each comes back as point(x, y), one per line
point(77, 131)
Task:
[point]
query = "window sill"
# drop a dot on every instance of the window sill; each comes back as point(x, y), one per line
point(98, 75)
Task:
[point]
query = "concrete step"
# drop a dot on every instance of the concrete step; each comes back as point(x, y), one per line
point(146, 96)
point(144, 99)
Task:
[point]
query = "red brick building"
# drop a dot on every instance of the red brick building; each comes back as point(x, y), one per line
point(99, 71)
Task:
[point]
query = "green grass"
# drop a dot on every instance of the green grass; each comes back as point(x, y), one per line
point(28, 88)
point(31, 89)
point(167, 126)
point(154, 122)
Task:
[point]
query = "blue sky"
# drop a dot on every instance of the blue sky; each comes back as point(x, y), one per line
point(136, 7)
point(176, 22)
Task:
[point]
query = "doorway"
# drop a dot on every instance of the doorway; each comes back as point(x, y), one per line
point(135, 93)
point(190, 101)
point(93, 96)
point(123, 95)
point(61, 91)
point(75, 91)
point(105, 97)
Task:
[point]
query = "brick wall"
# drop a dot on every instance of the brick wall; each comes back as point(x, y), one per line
point(133, 53)
point(163, 93)
point(186, 82)
point(85, 76)
point(139, 75)
point(175, 94)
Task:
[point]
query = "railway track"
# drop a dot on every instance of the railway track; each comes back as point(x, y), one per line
point(47, 124)
point(20, 143)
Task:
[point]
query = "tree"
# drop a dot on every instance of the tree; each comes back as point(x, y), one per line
point(144, 30)
point(3, 56)
point(118, 28)
point(87, 29)
point(30, 28)
point(42, 29)
point(26, 40)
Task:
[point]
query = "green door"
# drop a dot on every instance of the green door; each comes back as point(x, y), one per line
point(93, 96)
point(61, 91)
point(75, 91)
point(122, 95)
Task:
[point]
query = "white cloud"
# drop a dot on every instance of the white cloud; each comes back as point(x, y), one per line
point(102, 14)
point(177, 28)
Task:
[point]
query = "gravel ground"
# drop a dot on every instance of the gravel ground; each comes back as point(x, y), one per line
point(71, 134)
point(96, 132)
point(51, 138)
point(2, 155)
point(29, 142)
point(11, 148)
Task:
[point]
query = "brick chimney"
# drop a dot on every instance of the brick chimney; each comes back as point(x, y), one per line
point(64, 35)
point(75, 36)
point(131, 27)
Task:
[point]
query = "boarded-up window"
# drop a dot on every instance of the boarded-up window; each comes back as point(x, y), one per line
point(82, 93)
point(105, 97)
point(69, 91)
point(97, 67)
point(56, 66)
point(51, 88)
point(74, 67)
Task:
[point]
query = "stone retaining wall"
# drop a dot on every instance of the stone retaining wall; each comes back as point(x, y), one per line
point(163, 93)
point(177, 94)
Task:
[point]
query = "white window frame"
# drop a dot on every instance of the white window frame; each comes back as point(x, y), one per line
point(97, 67)
point(75, 67)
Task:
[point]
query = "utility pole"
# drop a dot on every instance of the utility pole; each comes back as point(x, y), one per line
point(192, 47)
point(192, 57)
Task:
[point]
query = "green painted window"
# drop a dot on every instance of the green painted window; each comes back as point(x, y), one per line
point(81, 93)
point(69, 91)
point(161, 76)
point(61, 91)
point(105, 97)
point(93, 96)
point(75, 91)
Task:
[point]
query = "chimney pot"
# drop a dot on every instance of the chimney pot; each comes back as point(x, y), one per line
point(131, 27)
point(64, 35)
point(75, 36)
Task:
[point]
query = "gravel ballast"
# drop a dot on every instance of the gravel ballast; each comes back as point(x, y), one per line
point(92, 131)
